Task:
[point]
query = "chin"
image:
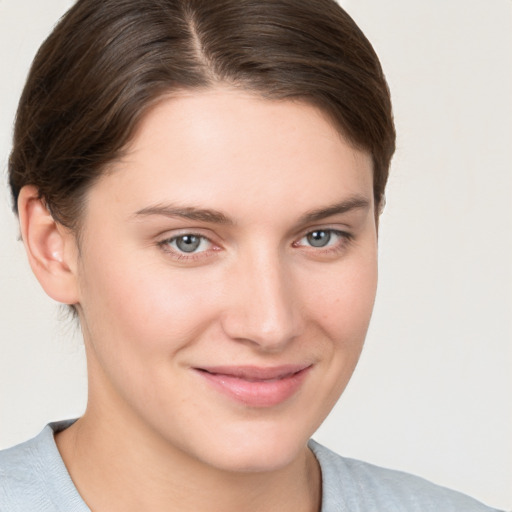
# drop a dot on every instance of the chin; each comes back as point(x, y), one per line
point(258, 448)
point(257, 460)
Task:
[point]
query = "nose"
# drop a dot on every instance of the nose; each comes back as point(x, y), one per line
point(263, 308)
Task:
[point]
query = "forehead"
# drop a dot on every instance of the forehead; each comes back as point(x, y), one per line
point(233, 149)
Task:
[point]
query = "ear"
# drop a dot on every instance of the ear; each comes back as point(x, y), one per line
point(51, 248)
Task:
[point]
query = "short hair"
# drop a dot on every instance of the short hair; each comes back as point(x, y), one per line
point(108, 61)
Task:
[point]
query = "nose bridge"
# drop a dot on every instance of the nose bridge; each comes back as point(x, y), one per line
point(264, 307)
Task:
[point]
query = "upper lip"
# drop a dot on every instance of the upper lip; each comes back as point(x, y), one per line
point(256, 372)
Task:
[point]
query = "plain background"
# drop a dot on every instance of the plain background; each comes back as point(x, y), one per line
point(432, 394)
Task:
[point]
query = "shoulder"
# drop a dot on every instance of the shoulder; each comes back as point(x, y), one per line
point(33, 476)
point(350, 484)
point(23, 472)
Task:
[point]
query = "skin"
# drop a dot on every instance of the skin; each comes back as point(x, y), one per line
point(255, 292)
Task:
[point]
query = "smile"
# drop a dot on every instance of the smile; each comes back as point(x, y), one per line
point(256, 386)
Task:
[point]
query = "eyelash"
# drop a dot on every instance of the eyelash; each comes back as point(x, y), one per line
point(165, 245)
point(344, 239)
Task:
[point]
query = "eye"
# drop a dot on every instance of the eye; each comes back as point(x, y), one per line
point(319, 238)
point(187, 243)
point(323, 241)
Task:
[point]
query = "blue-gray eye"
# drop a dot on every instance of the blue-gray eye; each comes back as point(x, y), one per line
point(188, 243)
point(319, 238)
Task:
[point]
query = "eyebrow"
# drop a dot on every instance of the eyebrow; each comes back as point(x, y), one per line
point(188, 212)
point(217, 217)
point(347, 205)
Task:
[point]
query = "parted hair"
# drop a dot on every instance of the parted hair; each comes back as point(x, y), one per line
point(108, 61)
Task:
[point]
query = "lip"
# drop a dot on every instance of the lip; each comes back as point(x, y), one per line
point(256, 386)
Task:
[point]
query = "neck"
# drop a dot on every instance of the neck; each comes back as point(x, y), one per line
point(116, 464)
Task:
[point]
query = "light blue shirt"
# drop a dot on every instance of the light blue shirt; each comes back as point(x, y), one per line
point(33, 478)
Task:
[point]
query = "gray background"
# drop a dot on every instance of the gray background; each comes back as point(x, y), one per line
point(432, 394)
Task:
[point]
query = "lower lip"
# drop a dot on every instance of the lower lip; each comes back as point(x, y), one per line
point(264, 393)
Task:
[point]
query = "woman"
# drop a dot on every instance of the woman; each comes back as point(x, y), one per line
point(201, 182)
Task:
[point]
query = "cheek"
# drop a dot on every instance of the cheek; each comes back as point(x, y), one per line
point(340, 304)
point(145, 307)
point(139, 323)
point(342, 300)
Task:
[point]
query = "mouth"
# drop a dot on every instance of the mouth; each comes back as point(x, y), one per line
point(256, 386)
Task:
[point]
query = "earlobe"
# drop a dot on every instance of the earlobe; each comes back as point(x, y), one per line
point(51, 248)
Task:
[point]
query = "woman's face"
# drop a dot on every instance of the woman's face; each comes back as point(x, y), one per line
point(227, 276)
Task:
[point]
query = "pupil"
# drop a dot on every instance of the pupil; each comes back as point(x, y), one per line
point(188, 243)
point(319, 238)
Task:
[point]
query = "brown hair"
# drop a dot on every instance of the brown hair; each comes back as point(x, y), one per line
point(108, 61)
